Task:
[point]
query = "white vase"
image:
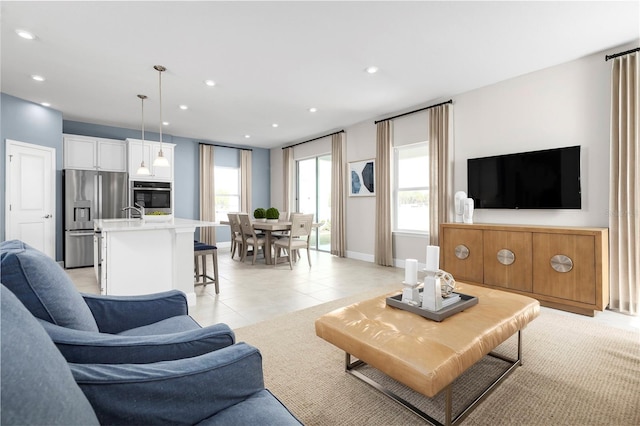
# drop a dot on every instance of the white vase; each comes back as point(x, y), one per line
point(458, 206)
point(467, 216)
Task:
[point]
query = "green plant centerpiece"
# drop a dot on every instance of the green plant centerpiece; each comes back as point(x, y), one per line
point(260, 214)
point(273, 214)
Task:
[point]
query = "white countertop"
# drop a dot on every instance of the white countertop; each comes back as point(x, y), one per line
point(120, 225)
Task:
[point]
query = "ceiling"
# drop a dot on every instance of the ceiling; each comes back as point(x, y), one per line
point(272, 61)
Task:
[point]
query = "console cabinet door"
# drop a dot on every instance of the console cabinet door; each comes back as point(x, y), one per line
point(459, 243)
point(578, 283)
point(507, 259)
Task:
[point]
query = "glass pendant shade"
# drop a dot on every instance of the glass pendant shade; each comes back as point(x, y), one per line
point(161, 160)
point(142, 170)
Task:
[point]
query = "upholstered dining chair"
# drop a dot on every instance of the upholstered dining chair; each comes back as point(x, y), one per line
point(237, 238)
point(297, 239)
point(250, 237)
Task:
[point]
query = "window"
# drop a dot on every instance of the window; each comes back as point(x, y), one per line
point(411, 188)
point(227, 190)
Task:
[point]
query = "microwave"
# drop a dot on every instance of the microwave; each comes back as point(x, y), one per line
point(153, 196)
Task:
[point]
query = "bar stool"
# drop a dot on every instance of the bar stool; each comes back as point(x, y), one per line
point(200, 252)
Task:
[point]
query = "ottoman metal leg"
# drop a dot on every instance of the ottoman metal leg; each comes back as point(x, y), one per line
point(352, 366)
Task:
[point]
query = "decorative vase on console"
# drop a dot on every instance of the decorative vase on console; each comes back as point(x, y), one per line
point(458, 206)
point(467, 215)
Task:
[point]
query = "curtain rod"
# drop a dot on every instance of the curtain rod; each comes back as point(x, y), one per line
point(615, 55)
point(450, 101)
point(314, 139)
point(226, 146)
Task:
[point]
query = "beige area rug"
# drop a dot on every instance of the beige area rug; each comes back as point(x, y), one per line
point(575, 372)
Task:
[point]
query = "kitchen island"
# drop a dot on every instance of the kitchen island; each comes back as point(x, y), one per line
point(143, 257)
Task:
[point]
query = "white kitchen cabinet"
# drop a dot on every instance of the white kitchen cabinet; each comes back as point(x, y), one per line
point(87, 153)
point(149, 152)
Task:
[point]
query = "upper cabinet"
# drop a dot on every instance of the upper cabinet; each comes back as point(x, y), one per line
point(87, 153)
point(148, 152)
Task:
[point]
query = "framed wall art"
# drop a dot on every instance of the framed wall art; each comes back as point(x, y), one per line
point(362, 178)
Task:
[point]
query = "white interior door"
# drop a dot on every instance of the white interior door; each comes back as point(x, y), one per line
point(31, 195)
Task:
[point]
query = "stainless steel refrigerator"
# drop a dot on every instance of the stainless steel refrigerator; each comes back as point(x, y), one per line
point(89, 195)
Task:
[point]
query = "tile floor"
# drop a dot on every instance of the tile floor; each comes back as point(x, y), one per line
point(254, 293)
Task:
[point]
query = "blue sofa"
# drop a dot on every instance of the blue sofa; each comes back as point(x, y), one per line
point(39, 387)
point(71, 358)
point(105, 329)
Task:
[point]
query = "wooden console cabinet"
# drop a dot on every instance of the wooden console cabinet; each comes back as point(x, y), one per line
point(564, 268)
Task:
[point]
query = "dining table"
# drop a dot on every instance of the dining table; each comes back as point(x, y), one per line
point(268, 228)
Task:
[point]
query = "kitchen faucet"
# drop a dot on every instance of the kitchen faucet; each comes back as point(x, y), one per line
point(138, 209)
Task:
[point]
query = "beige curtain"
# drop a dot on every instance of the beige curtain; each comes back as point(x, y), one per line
point(440, 171)
point(338, 194)
point(624, 193)
point(245, 181)
point(287, 164)
point(207, 194)
point(383, 241)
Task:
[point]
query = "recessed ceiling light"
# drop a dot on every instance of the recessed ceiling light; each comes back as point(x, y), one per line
point(247, 136)
point(372, 69)
point(37, 77)
point(26, 35)
point(313, 109)
point(45, 104)
point(210, 83)
point(165, 123)
point(183, 107)
point(274, 125)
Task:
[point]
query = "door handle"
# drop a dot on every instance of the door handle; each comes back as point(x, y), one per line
point(47, 216)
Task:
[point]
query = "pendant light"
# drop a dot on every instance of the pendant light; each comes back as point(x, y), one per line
point(161, 160)
point(143, 170)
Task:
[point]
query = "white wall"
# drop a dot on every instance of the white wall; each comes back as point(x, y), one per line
point(565, 105)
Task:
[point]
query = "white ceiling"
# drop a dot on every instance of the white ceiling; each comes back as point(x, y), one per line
point(272, 61)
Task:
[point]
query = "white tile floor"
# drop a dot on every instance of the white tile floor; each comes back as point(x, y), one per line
point(254, 293)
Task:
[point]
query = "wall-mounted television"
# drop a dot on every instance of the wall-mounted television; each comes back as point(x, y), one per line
point(548, 179)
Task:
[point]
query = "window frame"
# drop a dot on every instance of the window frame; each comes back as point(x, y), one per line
point(397, 190)
point(215, 190)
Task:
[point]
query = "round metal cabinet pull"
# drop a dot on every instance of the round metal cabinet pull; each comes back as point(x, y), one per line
point(561, 263)
point(462, 252)
point(506, 257)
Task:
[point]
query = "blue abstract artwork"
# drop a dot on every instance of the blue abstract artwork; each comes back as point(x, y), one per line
point(362, 178)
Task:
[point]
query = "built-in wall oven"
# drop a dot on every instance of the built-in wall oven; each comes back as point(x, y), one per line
point(153, 196)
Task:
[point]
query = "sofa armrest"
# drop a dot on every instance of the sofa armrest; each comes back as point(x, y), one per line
point(171, 392)
point(85, 347)
point(114, 314)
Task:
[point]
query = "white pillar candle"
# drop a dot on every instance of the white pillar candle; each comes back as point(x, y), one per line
point(433, 259)
point(411, 271)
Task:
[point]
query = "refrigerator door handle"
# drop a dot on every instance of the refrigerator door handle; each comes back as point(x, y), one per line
point(99, 196)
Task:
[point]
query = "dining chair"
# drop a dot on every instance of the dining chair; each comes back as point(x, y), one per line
point(298, 238)
point(237, 237)
point(250, 238)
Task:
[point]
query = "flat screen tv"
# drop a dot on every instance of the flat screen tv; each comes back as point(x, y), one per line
point(548, 179)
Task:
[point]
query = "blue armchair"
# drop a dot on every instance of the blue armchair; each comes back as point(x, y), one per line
point(105, 329)
point(223, 387)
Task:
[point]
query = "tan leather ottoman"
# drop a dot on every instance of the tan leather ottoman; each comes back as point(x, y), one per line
point(426, 355)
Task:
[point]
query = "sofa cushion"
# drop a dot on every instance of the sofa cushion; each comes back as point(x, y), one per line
point(37, 385)
point(262, 408)
point(171, 325)
point(43, 286)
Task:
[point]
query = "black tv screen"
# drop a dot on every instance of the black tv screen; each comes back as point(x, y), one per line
point(548, 179)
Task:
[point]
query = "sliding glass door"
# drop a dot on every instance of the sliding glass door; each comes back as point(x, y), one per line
point(314, 196)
